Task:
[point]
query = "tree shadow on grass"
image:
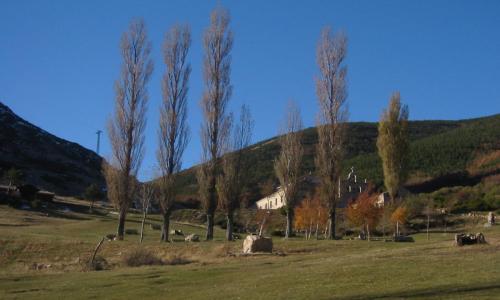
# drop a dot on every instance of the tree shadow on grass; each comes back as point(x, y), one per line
point(452, 291)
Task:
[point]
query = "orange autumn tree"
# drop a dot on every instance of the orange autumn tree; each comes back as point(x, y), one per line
point(399, 217)
point(310, 215)
point(363, 212)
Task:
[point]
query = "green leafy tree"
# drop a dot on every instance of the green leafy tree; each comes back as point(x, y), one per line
point(14, 177)
point(393, 145)
point(93, 193)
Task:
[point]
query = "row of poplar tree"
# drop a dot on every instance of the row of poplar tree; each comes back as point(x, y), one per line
point(221, 176)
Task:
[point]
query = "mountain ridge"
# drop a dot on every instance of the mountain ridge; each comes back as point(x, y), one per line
point(47, 161)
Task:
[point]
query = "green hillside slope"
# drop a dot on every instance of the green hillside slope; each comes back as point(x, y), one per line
point(438, 148)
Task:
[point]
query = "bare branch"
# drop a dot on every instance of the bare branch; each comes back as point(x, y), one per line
point(126, 128)
point(218, 42)
point(332, 117)
point(287, 166)
point(173, 134)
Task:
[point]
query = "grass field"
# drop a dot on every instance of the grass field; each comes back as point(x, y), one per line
point(343, 269)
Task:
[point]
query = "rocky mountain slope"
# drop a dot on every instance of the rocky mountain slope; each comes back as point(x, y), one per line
point(49, 162)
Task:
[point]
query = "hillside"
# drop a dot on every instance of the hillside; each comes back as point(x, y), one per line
point(45, 160)
point(443, 153)
point(439, 149)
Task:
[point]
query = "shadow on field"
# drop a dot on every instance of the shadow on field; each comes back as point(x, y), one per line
point(452, 291)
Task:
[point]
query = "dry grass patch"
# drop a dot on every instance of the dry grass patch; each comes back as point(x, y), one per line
point(141, 257)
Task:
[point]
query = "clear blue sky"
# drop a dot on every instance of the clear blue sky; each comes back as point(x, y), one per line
point(59, 60)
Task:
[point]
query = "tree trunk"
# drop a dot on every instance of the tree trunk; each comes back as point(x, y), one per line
point(325, 234)
point(331, 231)
point(165, 227)
point(142, 225)
point(210, 227)
point(383, 221)
point(121, 224)
point(368, 231)
point(317, 230)
point(91, 206)
point(229, 226)
point(95, 251)
point(310, 230)
point(428, 221)
point(289, 220)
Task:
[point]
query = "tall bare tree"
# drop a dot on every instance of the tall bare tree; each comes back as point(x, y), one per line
point(332, 118)
point(217, 41)
point(147, 195)
point(393, 145)
point(126, 128)
point(173, 134)
point(231, 180)
point(287, 166)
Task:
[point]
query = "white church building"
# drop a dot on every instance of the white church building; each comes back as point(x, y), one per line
point(350, 188)
point(273, 201)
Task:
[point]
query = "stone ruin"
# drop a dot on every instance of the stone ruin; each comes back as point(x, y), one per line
point(469, 239)
point(491, 218)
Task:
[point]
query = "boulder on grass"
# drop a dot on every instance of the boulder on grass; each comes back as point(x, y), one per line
point(255, 243)
point(192, 238)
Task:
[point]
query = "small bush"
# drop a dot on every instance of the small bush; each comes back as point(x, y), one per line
point(36, 204)
point(141, 257)
point(154, 226)
point(222, 250)
point(131, 231)
point(278, 233)
point(99, 264)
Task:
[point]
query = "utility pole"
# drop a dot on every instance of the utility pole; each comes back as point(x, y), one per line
point(98, 140)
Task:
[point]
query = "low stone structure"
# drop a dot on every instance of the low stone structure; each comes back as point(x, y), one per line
point(491, 218)
point(469, 239)
point(176, 232)
point(255, 243)
point(192, 238)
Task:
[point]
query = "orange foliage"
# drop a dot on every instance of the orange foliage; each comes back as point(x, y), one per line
point(399, 215)
point(363, 211)
point(310, 214)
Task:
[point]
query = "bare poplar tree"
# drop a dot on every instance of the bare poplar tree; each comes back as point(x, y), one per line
point(217, 41)
point(332, 119)
point(393, 145)
point(231, 180)
point(147, 194)
point(287, 166)
point(173, 134)
point(126, 128)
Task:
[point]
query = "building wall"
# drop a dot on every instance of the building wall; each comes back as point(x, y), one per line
point(274, 201)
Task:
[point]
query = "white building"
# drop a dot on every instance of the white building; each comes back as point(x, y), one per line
point(350, 188)
point(382, 200)
point(273, 201)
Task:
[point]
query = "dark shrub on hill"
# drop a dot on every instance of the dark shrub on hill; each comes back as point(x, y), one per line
point(28, 191)
point(141, 257)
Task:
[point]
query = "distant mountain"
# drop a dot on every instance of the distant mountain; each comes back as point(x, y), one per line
point(443, 153)
point(46, 161)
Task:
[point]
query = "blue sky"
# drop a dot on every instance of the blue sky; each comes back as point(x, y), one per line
point(59, 60)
